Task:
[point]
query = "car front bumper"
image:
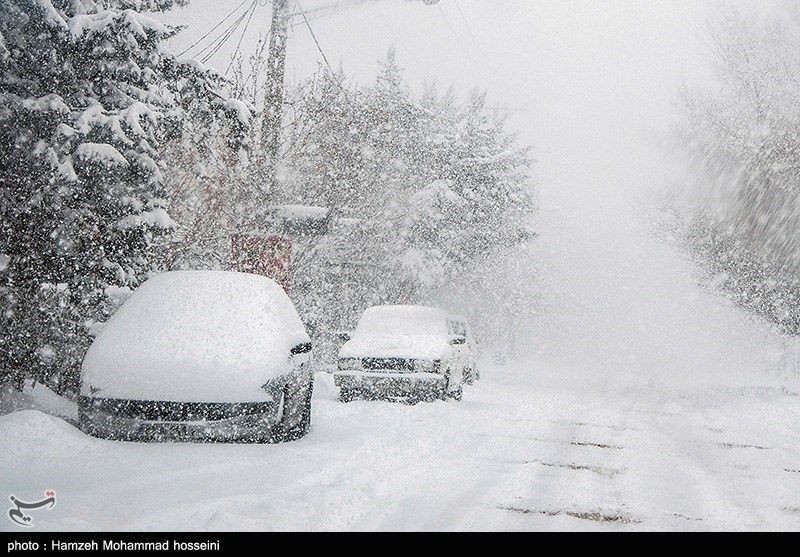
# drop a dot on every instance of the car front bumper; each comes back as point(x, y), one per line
point(380, 384)
point(154, 421)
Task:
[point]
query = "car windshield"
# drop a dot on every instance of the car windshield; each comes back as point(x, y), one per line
point(402, 321)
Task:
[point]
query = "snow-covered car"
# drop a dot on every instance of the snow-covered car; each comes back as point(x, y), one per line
point(205, 356)
point(402, 352)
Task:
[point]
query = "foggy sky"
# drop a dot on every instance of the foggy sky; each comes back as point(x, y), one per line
point(589, 74)
point(596, 80)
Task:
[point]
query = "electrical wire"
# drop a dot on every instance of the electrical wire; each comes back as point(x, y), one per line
point(223, 36)
point(194, 44)
point(316, 42)
point(466, 23)
point(333, 9)
point(464, 47)
point(239, 44)
point(227, 34)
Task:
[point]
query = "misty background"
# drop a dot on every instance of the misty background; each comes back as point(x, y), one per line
point(607, 186)
point(591, 86)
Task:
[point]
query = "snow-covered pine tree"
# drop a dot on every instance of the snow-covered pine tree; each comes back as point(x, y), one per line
point(430, 189)
point(88, 95)
point(208, 190)
point(324, 156)
point(488, 174)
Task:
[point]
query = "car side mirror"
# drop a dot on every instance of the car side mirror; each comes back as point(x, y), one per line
point(457, 340)
point(344, 336)
point(303, 348)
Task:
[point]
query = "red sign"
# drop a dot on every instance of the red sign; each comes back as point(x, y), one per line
point(269, 256)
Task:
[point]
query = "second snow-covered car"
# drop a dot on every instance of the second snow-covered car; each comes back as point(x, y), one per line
point(205, 356)
point(402, 352)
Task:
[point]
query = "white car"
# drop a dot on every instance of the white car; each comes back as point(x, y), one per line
point(412, 353)
point(206, 356)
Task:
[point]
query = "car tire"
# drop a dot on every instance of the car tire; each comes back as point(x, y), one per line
point(413, 400)
point(296, 400)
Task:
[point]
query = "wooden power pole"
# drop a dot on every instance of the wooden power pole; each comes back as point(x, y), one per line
point(273, 98)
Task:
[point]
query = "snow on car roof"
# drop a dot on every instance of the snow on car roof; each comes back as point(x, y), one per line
point(207, 336)
point(399, 331)
point(403, 320)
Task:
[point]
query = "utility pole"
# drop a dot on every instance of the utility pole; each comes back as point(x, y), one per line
point(273, 98)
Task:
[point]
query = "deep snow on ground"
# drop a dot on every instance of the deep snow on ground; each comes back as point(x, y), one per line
point(531, 447)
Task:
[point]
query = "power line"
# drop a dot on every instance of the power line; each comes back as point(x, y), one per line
point(239, 44)
point(458, 38)
point(466, 23)
point(334, 9)
point(227, 34)
point(220, 38)
point(328, 9)
point(314, 36)
point(194, 44)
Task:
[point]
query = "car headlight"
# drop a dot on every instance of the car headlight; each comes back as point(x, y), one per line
point(426, 366)
point(351, 363)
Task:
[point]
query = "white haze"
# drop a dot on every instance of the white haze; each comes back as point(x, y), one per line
point(594, 81)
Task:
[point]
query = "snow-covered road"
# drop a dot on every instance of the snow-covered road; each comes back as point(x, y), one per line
point(531, 447)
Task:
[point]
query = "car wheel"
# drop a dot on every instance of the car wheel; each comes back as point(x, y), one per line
point(87, 421)
point(296, 419)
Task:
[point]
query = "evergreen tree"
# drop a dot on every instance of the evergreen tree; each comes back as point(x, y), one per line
point(88, 96)
point(427, 190)
point(325, 155)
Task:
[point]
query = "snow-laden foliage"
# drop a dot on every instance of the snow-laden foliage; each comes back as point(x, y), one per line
point(387, 196)
point(422, 191)
point(209, 193)
point(742, 218)
point(89, 95)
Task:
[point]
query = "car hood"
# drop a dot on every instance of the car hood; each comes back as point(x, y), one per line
point(396, 346)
